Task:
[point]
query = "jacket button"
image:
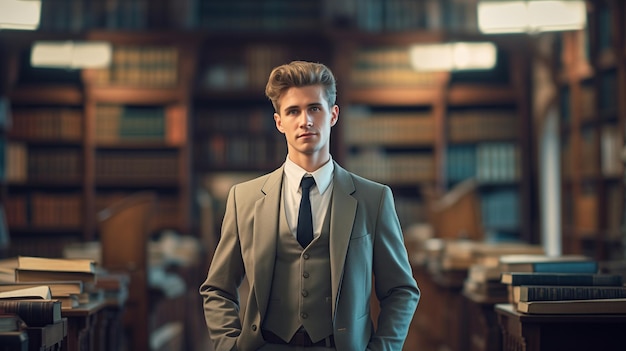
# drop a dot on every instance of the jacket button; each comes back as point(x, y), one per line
point(305, 274)
point(304, 315)
point(253, 327)
point(305, 293)
point(305, 256)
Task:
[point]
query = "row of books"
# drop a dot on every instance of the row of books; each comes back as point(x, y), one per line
point(500, 209)
point(389, 128)
point(154, 66)
point(53, 210)
point(248, 15)
point(46, 123)
point(251, 16)
point(118, 122)
point(400, 168)
point(210, 121)
point(41, 164)
point(486, 162)
point(240, 151)
point(137, 166)
point(388, 66)
point(44, 210)
point(402, 15)
point(482, 124)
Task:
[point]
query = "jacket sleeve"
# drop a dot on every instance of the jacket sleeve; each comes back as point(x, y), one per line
point(395, 287)
point(220, 289)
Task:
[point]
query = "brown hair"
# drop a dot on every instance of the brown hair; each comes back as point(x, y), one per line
point(300, 74)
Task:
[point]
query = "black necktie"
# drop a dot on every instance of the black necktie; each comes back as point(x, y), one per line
point(305, 219)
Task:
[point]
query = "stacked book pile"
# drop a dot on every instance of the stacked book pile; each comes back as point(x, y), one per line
point(483, 277)
point(69, 281)
point(561, 285)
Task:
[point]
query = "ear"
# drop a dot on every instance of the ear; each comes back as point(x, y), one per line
point(279, 123)
point(334, 115)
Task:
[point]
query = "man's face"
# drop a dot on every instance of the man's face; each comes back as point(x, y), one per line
point(306, 119)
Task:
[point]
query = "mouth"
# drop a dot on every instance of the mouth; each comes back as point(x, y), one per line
point(306, 135)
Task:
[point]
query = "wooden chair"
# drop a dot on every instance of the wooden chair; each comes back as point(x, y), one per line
point(125, 228)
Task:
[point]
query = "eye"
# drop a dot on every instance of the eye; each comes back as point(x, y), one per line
point(316, 109)
point(292, 112)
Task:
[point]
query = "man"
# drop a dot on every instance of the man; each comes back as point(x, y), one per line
point(309, 288)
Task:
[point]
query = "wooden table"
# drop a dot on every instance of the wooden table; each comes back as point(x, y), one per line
point(532, 332)
point(82, 326)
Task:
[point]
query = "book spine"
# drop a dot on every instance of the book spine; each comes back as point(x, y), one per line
point(566, 279)
point(555, 293)
point(566, 267)
point(33, 313)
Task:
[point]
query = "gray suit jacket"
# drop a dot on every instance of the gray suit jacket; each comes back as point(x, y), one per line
point(365, 242)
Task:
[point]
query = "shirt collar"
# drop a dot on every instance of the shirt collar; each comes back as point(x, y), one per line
point(323, 175)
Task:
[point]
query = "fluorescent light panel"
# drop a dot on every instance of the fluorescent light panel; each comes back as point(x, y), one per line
point(531, 16)
point(20, 14)
point(72, 55)
point(453, 56)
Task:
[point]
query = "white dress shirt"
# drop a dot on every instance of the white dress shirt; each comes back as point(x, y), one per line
point(320, 194)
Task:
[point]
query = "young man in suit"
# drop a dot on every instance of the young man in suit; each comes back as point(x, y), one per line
point(310, 270)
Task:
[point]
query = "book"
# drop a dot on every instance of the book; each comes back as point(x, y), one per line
point(563, 292)
point(57, 287)
point(11, 322)
point(547, 264)
point(69, 301)
point(34, 312)
point(34, 292)
point(595, 306)
point(23, 275)
point(55, 264)
point(585, 279)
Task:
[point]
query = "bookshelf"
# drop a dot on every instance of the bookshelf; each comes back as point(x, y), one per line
point(83, 139)
point(591, 72)
point(391, 121)
point(423, 132)
point(488, 138)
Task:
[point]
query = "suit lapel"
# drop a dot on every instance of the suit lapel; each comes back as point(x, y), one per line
point(343, 211)
point(265, 236)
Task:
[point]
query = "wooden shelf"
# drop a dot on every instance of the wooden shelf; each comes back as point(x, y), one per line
point(48, 95)
point(136, 95)
point(476, 94)
point(394, 96)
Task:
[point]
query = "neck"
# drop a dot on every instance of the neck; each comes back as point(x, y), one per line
point(310, 163)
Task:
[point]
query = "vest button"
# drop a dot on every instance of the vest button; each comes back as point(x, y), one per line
point(253, 327)
point(305, 293)
point(305, 274)
point(304, 315)
point(305, 256)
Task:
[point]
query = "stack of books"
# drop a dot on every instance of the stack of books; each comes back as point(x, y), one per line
point(562, 285)
point(68, 280)
point(483, 276)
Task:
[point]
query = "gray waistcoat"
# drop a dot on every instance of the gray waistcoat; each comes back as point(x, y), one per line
point(301, 287)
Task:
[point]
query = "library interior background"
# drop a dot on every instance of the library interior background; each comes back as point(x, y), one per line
point(499, 125)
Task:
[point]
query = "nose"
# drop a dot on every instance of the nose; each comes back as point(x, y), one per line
point(306, 120)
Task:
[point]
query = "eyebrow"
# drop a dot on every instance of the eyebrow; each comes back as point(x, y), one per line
point(313, 104)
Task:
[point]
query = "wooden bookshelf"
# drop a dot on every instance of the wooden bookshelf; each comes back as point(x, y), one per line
point(592, 68)
point(70, 167)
